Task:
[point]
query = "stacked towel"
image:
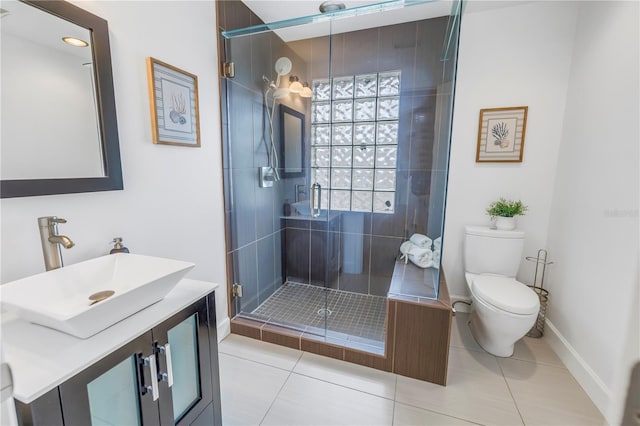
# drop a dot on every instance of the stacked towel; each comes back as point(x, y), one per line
point(436, 259)
point(421, 257)
point(437, 245)
point(405, 248)
point(421, 241)
point(422, 251)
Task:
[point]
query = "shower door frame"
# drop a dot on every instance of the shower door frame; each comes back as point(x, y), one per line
point(441, 308)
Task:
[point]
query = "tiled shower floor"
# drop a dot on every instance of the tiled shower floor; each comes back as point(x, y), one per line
point(356, 320)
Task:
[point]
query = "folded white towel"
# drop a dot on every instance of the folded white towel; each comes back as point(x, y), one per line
point(405, 248)
point(422, 258)
point(436, 259)
point(437, 243)
point(421, 241)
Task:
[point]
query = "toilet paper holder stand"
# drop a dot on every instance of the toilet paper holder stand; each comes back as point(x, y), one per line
point(538, 287)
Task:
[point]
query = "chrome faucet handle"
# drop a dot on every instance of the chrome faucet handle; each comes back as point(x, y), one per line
point(50, 220)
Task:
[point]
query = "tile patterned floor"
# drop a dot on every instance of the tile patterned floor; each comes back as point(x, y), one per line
point(273, 385)
point(352, 314)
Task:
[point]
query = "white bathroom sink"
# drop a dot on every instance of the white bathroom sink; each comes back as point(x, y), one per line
point(60, 298)
point(304, 208)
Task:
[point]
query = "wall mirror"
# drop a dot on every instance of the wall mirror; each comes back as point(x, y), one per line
point(59, 128)
point(292, 142)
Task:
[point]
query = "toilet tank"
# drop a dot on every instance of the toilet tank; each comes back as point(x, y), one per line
point(490, 251)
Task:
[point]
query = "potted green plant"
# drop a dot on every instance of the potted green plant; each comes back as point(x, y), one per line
point(504, 213)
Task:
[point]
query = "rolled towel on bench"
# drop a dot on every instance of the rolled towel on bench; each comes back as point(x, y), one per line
point(421, 241)
point(421, 257)
point(436, 259)
point(405, 248)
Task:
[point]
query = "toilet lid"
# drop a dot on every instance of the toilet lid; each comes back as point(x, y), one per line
point(506, 294)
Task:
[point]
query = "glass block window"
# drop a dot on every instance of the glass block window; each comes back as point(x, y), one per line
point(354, 138)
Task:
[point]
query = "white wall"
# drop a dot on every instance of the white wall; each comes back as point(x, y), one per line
point(575, 64)
point(593, 231)
point(172, 202)
point(509, 56)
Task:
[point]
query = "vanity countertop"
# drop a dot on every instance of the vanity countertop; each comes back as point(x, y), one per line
point(322, 218)
point(42, 358)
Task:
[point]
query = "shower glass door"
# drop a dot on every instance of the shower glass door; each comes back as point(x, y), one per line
point(326, 179)
point(280, 247)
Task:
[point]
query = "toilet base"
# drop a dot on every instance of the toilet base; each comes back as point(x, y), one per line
point(479, 332)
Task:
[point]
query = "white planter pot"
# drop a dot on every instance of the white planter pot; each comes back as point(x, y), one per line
point(506, 223)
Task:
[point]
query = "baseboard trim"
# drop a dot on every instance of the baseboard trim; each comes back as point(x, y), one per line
point(223, 329)
point(597, 390)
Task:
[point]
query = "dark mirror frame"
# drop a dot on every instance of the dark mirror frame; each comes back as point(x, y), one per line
point(106, 113)
point(283, 137)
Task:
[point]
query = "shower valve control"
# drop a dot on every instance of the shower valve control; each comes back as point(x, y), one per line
point(267, 176)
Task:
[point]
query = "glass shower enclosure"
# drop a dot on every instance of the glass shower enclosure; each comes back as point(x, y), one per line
point(336, 140)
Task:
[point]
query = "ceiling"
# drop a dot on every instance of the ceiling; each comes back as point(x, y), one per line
point(279, 10)
point(273, 11)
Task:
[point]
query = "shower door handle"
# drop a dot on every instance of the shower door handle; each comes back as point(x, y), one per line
point(315, 207)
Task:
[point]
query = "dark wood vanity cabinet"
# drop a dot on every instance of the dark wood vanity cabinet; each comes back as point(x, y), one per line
point(166, 376)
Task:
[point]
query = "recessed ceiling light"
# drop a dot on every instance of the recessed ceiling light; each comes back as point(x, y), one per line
point(75, 41)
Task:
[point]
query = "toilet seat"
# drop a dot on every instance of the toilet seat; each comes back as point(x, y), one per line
point(506, 294)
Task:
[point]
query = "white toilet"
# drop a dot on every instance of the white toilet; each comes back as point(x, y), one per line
point(503, 310)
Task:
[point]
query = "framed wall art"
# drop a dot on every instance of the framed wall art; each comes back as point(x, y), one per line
point(173, 95)
point(501, 135)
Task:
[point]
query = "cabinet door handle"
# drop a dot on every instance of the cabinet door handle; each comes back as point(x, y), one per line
point(150, 362)
point(168, 376)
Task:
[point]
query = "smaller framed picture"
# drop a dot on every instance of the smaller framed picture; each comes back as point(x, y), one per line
point(173, 95)
point(501, 135)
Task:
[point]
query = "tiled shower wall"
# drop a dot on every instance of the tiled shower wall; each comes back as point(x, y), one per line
point(257, 240)
point(253, 228)
point(415, 49)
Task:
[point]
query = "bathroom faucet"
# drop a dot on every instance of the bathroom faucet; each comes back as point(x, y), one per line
point(51, 241)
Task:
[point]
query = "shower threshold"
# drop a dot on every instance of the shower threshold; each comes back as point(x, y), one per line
point(339, 317)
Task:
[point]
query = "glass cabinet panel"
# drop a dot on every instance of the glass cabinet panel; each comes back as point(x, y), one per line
point(183, 339)
point(113, 396)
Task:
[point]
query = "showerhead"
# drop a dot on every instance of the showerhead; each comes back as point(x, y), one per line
point(283, 66)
